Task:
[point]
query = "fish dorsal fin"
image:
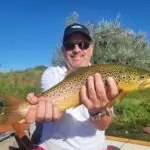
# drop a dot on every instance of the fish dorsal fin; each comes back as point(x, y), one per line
point(11, 100)
point(68, 73)
point(72, 73)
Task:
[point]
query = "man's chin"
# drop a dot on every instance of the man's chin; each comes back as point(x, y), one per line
point(79, 64)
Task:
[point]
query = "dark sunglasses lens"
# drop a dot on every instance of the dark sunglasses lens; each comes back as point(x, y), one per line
point(69, 46)
point(83, 45)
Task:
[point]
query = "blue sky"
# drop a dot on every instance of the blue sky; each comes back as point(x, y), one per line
point(30, 30)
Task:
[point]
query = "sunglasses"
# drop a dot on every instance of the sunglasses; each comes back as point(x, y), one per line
point(81, 44)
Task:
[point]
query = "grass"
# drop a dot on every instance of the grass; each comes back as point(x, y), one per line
point(19, 83)
point(131, 115)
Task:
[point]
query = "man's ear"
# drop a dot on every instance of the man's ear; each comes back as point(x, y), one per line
point(91, 49)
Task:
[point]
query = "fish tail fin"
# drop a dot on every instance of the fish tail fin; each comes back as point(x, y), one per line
point(9, 113)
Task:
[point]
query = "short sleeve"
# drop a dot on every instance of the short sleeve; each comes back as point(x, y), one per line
point(51, 76)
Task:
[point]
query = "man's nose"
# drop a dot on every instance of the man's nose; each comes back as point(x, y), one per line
point(76, 49)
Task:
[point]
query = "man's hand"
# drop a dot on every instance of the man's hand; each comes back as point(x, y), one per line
point(95, 95)
point(42, 109)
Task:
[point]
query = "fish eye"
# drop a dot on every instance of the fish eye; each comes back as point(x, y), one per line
point(142, 77)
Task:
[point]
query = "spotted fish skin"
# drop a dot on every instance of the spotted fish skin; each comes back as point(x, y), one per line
point(66, 93)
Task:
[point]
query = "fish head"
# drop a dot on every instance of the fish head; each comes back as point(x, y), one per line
point(136, 79)
point(145, 81)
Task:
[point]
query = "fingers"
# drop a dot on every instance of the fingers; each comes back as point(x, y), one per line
point(32, 99)
point(100, 89)
point(44, 110)
point(30, 117)
point(112, 88)
point(48, 109)
point(91, 90)
point(84, 98)
point(95, 95)
point(56, 114)
point(40, 111)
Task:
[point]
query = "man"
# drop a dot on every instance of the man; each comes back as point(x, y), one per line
point(77, 128)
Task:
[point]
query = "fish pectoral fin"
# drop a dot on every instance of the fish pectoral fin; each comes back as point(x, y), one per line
point(18, 129)
point(121, 94)
point(117, 99)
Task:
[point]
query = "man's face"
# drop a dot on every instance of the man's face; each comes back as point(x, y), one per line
point(77, 50)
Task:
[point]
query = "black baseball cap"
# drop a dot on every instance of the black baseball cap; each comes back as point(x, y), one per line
point(76, 28)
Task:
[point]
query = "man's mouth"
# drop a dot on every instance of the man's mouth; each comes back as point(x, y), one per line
point(76, 58)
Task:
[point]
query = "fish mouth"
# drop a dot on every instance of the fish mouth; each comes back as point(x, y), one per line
point(145, 84)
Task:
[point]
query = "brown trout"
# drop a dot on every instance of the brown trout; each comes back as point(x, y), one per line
point(66, 93)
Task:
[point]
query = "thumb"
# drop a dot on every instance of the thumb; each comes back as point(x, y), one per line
point(32, 99)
